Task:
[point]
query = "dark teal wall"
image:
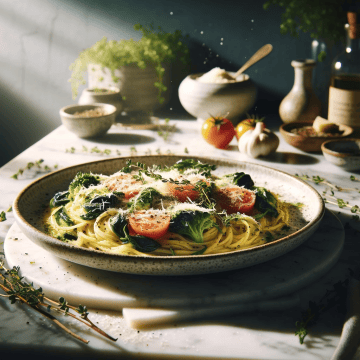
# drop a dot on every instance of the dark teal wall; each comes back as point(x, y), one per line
point(41, 38)
point(243, 25)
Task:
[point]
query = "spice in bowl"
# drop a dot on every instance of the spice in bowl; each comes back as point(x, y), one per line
point(89, 113)
point(321, 127)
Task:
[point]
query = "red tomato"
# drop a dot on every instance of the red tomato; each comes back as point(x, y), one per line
point(149, 223)
point(124, 183)
point(218, 132)
point(235, 199)
point(183, 192)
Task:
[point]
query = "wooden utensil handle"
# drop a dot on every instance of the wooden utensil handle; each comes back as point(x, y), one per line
point(261, 53)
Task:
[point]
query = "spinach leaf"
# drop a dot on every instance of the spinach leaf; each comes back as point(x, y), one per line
point(143, 243)
point(118, 225)
point(62, 218)
point(69, 237)
point(60, 198)
point(98, 205)
point(200, 252)
point(265, 201)
point(241, 179)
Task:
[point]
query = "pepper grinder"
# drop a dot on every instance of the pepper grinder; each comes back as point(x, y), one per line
point(301, 104)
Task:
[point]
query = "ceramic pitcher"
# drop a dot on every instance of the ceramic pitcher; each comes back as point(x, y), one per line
point(301, 104)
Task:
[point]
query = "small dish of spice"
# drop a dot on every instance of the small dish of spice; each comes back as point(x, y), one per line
point(308, 137)
point(86, 121)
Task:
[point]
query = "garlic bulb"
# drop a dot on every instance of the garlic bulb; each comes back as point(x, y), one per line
point(259, 141)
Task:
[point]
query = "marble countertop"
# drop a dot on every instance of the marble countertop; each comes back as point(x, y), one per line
point(259, 335)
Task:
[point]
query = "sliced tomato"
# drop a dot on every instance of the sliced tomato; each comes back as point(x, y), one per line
point(124, 183)
point(182, 192)
point(235, 199)
point(150, 223)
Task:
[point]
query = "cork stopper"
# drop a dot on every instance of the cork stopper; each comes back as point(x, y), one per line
point(354, 29)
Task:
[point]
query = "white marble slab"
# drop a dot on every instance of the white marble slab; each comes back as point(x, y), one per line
point(259, 335)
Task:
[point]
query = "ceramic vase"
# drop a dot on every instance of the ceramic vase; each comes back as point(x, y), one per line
point(109, 95)
point(301, 104)
point(136, 85)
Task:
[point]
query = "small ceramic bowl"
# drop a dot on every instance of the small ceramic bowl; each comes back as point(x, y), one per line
point(88, 124)
point(203, 100)
point(344, 153)
point(309, 143)
point(110, 95)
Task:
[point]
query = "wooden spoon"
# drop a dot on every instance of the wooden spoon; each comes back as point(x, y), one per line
point(261, 53)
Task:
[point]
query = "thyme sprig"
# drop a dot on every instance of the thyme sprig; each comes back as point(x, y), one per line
point(18, 290)
point(341, 203)
point(166, 130)
point(332, 298)
point(94, 150)
point(319, 180)
point(30, 165)
point(329, 194)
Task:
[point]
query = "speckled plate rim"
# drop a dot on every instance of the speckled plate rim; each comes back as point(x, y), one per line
point(174, 265)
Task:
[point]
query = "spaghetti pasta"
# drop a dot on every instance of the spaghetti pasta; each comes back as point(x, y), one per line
point(180, 210)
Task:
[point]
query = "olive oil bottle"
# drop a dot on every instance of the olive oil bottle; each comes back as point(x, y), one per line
point(344, 92)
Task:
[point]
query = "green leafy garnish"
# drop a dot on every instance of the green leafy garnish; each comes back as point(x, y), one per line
point(269, 236)
point(203, 169)
point(200, 252)
point(265, 201)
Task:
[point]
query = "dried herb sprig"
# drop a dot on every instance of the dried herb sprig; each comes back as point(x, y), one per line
point(94, 150)
point(30, 165)
point(329, 194)
point(319, 180)
point(341, 203)
point(332, 298)
point(17, 289)
point(166, 130)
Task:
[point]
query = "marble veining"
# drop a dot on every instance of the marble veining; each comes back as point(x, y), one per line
point(256, 335)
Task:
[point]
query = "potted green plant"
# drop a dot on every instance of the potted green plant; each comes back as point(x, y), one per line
point(323, 20)
point(140, 69)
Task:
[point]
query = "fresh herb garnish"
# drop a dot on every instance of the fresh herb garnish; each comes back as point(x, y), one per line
point(265, 201)
point(200, 252)
point(241, 179)
point(269, 236)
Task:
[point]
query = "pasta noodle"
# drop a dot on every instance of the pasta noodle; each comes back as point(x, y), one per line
point(148, 212)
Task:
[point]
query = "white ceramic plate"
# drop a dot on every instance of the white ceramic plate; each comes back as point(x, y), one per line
point(29, 209)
